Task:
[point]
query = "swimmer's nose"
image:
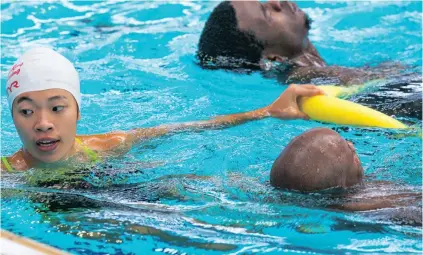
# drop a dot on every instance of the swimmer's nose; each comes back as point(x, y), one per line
point(287, 5)
point(276, 5)
point(293, 6)
point(43, 123)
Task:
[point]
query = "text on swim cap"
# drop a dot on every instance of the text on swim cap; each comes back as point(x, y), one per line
point(13, 84)
point(14, 71)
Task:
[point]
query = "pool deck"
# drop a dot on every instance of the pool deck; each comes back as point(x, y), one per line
point(11, 244)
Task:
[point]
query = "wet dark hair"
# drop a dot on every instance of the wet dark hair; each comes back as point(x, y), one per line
point(223, 46)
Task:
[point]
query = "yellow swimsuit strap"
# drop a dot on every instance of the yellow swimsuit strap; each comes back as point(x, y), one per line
point(90, 153)
point(9, 168)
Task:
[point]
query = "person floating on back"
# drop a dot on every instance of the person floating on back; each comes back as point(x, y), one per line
point(252, 35)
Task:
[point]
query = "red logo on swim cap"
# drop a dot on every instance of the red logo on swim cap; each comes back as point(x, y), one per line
point(14, 84)
point(12, 72)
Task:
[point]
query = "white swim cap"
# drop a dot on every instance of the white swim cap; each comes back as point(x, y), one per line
point(41, 69)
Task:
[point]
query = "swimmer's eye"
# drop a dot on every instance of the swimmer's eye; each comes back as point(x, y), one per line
point(26, 112)
point(308, 22)
point(58, 108)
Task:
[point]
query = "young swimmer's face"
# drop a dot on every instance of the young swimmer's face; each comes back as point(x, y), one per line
point(281, 26)
point(46, 123)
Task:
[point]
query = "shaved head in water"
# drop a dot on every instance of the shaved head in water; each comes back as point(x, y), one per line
point(316, 160)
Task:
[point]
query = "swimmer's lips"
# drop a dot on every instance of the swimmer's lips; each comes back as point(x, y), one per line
point(47, 144)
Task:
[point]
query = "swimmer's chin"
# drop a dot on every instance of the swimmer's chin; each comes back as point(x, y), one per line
point(50, 159)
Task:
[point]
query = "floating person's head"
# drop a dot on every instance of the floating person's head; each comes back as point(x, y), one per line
point(242, 34)
point(316, 160)
point(43, 91)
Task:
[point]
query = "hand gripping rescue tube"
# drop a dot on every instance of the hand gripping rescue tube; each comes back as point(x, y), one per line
point(329, 108)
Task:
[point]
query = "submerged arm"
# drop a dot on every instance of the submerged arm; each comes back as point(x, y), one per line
point(337, 74)
point(374, 203)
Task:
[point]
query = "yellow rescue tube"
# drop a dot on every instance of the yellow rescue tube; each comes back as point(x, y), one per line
point(339, 111)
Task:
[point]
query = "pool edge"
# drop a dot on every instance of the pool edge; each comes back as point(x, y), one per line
point(13, 244)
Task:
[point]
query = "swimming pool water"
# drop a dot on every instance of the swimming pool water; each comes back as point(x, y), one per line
point(208, 192)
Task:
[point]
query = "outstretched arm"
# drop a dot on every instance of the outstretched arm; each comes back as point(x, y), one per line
point(284, 107)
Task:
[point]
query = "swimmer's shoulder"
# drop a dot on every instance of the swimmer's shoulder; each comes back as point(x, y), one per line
point(106, 141)
point(15, 162)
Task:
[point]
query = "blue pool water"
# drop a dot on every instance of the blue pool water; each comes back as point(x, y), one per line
point(206, 193)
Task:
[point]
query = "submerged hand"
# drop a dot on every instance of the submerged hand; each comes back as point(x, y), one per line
point(286, 106)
